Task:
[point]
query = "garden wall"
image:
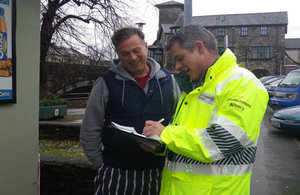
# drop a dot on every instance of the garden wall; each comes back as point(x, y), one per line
point(66, 176)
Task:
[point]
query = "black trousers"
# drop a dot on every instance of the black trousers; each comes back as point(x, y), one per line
point(116, 181)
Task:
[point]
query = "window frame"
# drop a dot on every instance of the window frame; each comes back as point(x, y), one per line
point(264, 30)
point(156, 54)
point(221, 31)
point(244, 31)
point(173, 30)
point(261, 53)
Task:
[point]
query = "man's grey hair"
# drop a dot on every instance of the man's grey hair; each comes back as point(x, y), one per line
point(187, 35)
point(125, 33)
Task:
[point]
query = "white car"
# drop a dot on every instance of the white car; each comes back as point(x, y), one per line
point(270, 87)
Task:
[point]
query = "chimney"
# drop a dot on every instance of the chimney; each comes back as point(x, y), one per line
point(140, 25)
point(187, 12)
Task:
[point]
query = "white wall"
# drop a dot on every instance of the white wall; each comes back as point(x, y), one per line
point(294, 54)
point(19, 122)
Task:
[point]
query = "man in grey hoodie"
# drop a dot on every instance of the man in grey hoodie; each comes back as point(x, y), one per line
point(133, 90)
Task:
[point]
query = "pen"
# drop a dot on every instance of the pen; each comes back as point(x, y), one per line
point(161, 120)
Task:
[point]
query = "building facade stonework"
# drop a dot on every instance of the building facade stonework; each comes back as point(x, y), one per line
point(257, 39)
point(244, 45)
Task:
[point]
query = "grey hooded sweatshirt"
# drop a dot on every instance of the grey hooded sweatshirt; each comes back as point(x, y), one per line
point(93, 121)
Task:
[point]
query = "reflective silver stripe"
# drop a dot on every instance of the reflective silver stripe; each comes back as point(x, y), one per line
point(207, 98)
point(198, 169)
point(234, 130)
point(212, 115)
point(236, 76)
point(243, 157)
point(226, 142)
point(209, 145)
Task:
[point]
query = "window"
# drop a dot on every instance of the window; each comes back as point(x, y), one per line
point(156, 54)
point(174, 29)
point(244, 31)
point(150, 53)
point(221, 32)
point(292, 79)
point(261, 52)
point(264, 30)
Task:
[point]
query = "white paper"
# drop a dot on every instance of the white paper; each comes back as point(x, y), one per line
point(152, 141)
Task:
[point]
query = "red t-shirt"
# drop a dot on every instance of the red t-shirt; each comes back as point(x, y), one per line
point(143, 80)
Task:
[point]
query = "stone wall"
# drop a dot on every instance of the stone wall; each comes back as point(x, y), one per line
point(242, 46)
point(77, 103)
point(65, 77)
point(66, 176)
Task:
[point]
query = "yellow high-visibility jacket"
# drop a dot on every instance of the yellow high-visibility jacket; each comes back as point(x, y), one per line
point(212, 141)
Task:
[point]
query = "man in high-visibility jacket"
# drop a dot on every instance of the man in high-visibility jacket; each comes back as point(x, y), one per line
point(211, 143)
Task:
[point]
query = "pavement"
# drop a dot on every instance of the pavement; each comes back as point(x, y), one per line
point(73, 119)
point(67, 127)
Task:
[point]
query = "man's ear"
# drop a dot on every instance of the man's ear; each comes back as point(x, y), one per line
point(199, 46)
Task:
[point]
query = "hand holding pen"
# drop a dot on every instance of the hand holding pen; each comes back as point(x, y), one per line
point(161, 120)
point(153, 128)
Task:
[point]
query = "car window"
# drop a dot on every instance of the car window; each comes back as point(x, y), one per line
point(265, 78)
point(291, 80)
point(276, 82)
point(271, 80)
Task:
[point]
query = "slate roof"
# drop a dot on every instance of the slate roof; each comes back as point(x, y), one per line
point(268, 18)
point(166, 27)
point(179, 21)
point(170, 4)
point(292, 43)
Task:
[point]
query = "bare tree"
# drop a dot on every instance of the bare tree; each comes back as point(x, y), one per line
point(84, 25)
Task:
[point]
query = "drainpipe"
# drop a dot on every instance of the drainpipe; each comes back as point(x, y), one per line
point(225, 41)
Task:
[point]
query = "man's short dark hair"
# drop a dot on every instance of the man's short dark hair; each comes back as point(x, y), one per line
point(125, 33)
point(187, 35)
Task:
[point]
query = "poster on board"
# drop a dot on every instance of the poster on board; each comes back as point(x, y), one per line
point(7, 52)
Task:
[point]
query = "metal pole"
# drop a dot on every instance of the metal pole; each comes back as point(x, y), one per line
point(187, 12)
point(226, 41)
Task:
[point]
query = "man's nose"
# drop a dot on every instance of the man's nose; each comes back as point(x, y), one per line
point(132, 56)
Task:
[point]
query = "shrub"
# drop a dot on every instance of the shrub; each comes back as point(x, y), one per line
point(51, 100)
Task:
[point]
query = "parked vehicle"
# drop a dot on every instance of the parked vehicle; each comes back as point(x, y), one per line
point(287, 93)
point(271, 80)
point(265, 78)
point(286, 118)
point(270, 87)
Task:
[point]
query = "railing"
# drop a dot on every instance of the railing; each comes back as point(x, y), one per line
point(74, 96)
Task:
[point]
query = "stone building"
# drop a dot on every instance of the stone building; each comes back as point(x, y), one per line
point(168, 14)
point(257, 39)
point(292, 55)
